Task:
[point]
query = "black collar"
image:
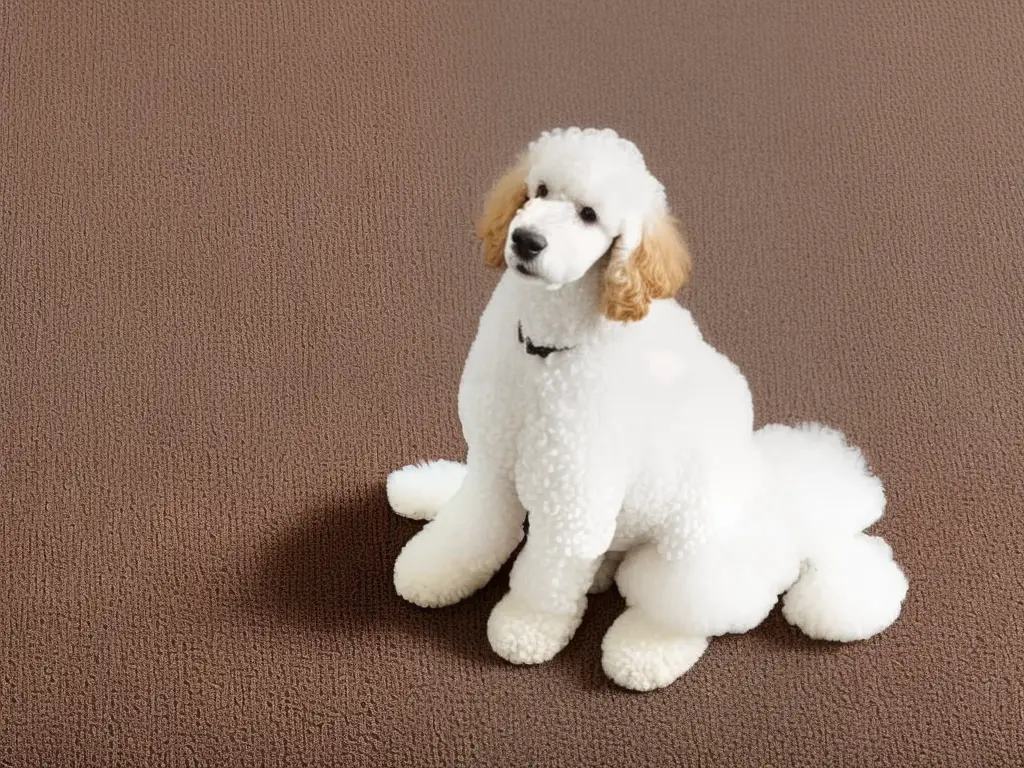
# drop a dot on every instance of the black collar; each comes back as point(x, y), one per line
point(533, 349)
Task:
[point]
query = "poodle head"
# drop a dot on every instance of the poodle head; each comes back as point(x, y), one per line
point(579, 200)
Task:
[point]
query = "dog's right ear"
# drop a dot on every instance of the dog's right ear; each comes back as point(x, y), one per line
point(505, 199)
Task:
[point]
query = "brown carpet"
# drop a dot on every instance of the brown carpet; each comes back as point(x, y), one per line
point(239, 282)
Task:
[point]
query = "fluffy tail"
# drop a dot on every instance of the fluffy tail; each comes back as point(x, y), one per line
point(849, 587)
point(418, 491)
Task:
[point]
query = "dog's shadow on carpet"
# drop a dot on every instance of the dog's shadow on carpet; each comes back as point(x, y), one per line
point(330, 572)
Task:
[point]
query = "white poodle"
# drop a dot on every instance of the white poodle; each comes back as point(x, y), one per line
point(591, 404)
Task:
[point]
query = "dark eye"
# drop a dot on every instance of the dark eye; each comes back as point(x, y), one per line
point(588, 214)
point(542, 190)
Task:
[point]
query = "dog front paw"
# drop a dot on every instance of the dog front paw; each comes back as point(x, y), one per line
point(642, 656)
point(522, 635)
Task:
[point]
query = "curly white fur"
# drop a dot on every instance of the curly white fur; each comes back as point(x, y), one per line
point(418, 491)
point(635, 443)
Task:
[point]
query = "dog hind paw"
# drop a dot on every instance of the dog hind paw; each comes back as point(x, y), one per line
point(431, 577)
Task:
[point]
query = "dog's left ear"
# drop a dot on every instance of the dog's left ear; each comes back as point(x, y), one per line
point(505, 199)
point(656, 267)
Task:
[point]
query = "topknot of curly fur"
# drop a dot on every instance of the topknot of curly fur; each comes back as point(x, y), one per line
point(605, 147)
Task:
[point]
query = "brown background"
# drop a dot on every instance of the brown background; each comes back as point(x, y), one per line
point(239, 282)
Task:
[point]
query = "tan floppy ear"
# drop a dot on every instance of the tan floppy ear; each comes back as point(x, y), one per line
point(505, 199)
point(656, 269)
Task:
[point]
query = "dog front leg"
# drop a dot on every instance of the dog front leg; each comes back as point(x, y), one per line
point(547, 596)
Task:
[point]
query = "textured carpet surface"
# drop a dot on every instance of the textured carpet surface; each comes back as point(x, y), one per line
point(239, 282)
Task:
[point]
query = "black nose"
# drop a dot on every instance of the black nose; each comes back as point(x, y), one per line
point(527, 243)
